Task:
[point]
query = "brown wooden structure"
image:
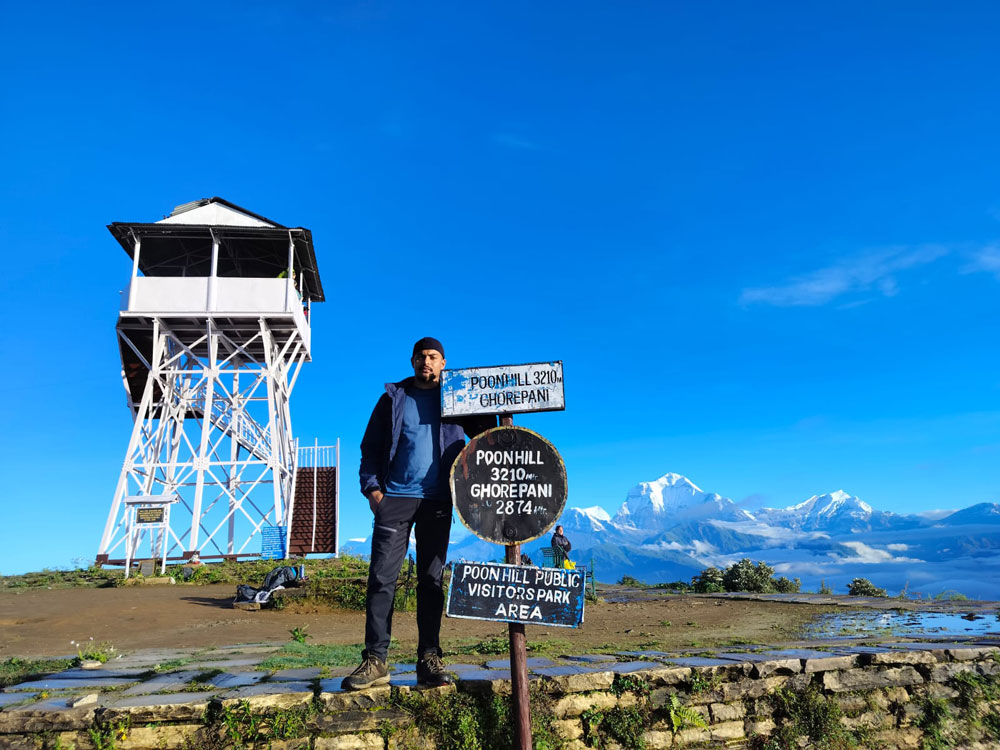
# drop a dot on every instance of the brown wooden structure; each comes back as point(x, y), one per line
point(314, 519)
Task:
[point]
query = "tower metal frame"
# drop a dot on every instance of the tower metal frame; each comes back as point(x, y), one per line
point(213, 429)
point(214, 329)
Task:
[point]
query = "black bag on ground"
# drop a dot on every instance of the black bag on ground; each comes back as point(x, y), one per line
point(245, 593)
point(284, 576)
point(278, 578)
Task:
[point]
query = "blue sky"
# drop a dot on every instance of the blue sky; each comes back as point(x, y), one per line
point(764, 238)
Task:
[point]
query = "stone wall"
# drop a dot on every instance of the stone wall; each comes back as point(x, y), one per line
point(889, 696)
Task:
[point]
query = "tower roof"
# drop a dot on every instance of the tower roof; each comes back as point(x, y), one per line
point(217, 211)
point(250, 245)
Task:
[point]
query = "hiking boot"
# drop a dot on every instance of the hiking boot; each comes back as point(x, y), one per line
point(431, 671)
point(371, 672)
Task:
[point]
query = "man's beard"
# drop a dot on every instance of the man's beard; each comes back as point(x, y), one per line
point(428, 378)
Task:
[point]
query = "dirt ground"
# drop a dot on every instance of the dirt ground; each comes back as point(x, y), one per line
point(36, 623)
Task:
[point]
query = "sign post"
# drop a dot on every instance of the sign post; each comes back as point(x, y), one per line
point(272, 542)
point(509, 486)
point(147, 513)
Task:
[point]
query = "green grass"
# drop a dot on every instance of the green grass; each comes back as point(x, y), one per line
point(173, 664)
point(498, 645)
point(337, 582)
point(246, 571)
point(298, 655)
point(548, 646)
point(93, 650)
point(488, 647)
point(92, 577)
point(294, 655)
point(253, 571)
point(14, 670)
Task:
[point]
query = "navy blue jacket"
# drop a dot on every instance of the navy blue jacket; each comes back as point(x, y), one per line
point(381, 439)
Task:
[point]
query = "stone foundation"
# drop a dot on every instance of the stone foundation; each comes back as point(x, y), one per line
point(890, 696)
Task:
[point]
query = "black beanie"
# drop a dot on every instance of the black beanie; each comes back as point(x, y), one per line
point(428, 342)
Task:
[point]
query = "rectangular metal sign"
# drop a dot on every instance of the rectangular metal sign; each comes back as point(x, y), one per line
point(272, 542)
point(516, 593)
point(504, 389)
point(150, 515)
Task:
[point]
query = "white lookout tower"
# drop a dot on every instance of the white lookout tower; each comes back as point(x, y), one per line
point(213, 332)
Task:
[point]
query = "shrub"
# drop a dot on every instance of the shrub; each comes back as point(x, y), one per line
point(708, 581)
point(745, 576)
point(805, 719)
point(864, 587)
point(299, 634)
point(677, 587)
point(950, 596)
point(784, 586)
point(93, 651)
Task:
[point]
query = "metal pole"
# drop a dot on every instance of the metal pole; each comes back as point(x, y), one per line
point(234, 454)
point(128, 539)
point(336, 506)
point(518, 653)
point(143, 414)
point(163, 539)
point(135, 272)
point(289, 271)
point(315, 480)
point(201, 461)
point(214, 272)
point(270, 353)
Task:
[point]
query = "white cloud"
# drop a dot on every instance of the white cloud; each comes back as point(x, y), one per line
point(985, 260)
point(863, 554)
point(773, 533)
point(801, 569)
point(672, 546)
point(703, 548)
point(874, 271)
point(897, 547)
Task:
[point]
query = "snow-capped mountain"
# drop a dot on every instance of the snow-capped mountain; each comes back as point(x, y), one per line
point(833, 512)
point(981, 513)
point(592, 519)
point(670, 500)
point(670, 529)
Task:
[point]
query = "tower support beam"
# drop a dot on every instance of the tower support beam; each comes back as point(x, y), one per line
point(212, 430)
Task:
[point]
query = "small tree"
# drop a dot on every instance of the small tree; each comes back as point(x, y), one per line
point(708, 581)
point(784, 586)
point(864, 587)
point(745, 576)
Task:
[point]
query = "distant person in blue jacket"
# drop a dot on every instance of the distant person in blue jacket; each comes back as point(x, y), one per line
point(560, 547)
point(406, 458)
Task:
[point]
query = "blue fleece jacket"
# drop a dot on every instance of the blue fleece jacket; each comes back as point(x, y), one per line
point(381, 439)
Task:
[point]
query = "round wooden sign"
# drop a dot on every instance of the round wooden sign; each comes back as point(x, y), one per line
point(509, 485)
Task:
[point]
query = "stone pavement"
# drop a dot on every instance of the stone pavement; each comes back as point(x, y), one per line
point(176, 684)
point(166, 696)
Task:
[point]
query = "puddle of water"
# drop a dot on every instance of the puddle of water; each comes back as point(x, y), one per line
point(902, 624)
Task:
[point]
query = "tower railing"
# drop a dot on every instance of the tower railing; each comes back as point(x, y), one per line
point(249, 433)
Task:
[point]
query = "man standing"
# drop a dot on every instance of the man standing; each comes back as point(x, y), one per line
point(406, 458)
point(560, 547)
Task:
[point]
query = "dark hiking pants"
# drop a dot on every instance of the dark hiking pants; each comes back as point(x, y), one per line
point(394, 517)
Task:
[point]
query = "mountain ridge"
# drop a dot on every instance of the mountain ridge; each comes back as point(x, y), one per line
point(670, 529)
